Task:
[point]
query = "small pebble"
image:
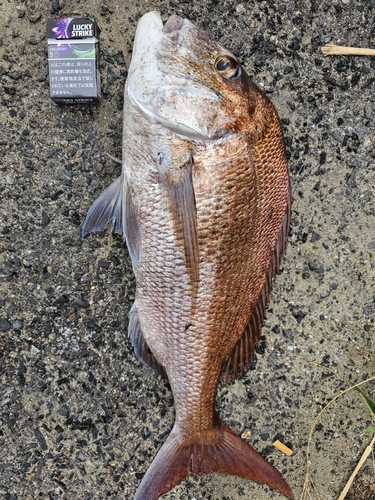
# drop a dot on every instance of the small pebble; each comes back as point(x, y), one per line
point(4, 325)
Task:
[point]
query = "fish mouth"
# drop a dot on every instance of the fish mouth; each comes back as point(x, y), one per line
point(173, 24)
point(152, 23)
point(152, 20)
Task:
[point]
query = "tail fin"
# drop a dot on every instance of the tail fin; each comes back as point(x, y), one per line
point(226, 453)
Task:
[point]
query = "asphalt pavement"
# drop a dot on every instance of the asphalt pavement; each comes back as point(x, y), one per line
point(80, 417)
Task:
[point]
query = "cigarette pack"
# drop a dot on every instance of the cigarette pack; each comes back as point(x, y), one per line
point(73, 60)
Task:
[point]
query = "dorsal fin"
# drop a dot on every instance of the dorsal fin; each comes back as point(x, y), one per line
point(240, 357)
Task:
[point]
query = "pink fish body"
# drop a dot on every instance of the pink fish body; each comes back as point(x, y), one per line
point(203, 202)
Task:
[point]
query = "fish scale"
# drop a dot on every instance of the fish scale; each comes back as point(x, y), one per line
point(203, 202)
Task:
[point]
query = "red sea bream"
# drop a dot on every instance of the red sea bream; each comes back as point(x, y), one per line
point(203, 202)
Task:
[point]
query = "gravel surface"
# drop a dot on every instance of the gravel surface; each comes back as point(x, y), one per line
point(80, 417)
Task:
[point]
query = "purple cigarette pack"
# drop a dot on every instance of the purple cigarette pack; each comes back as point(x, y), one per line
point(73, 60)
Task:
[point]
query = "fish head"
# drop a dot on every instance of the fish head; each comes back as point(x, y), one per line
point(183, 79)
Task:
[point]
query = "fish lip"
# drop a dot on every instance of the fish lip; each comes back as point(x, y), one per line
point(149, 22)
point(153, 19)
point(154, 15)
point(172, 29)
point(173, 24)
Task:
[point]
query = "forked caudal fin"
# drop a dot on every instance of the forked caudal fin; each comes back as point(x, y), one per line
point(225, 453)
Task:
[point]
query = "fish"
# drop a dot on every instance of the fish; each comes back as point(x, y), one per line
point(203, 202)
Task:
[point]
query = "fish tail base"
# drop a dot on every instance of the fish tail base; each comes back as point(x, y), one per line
point(225, 453)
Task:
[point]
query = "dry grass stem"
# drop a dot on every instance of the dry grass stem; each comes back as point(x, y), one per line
point(362, 460)
point(127, 56)
point(316, 491)
point(308, 479)
point(338, 50)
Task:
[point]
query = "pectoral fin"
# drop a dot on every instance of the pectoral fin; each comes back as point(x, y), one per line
point(115, 205)
point(178, 185)
point(107, 208)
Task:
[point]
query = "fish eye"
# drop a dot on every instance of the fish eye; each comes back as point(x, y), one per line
point(228, 67)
